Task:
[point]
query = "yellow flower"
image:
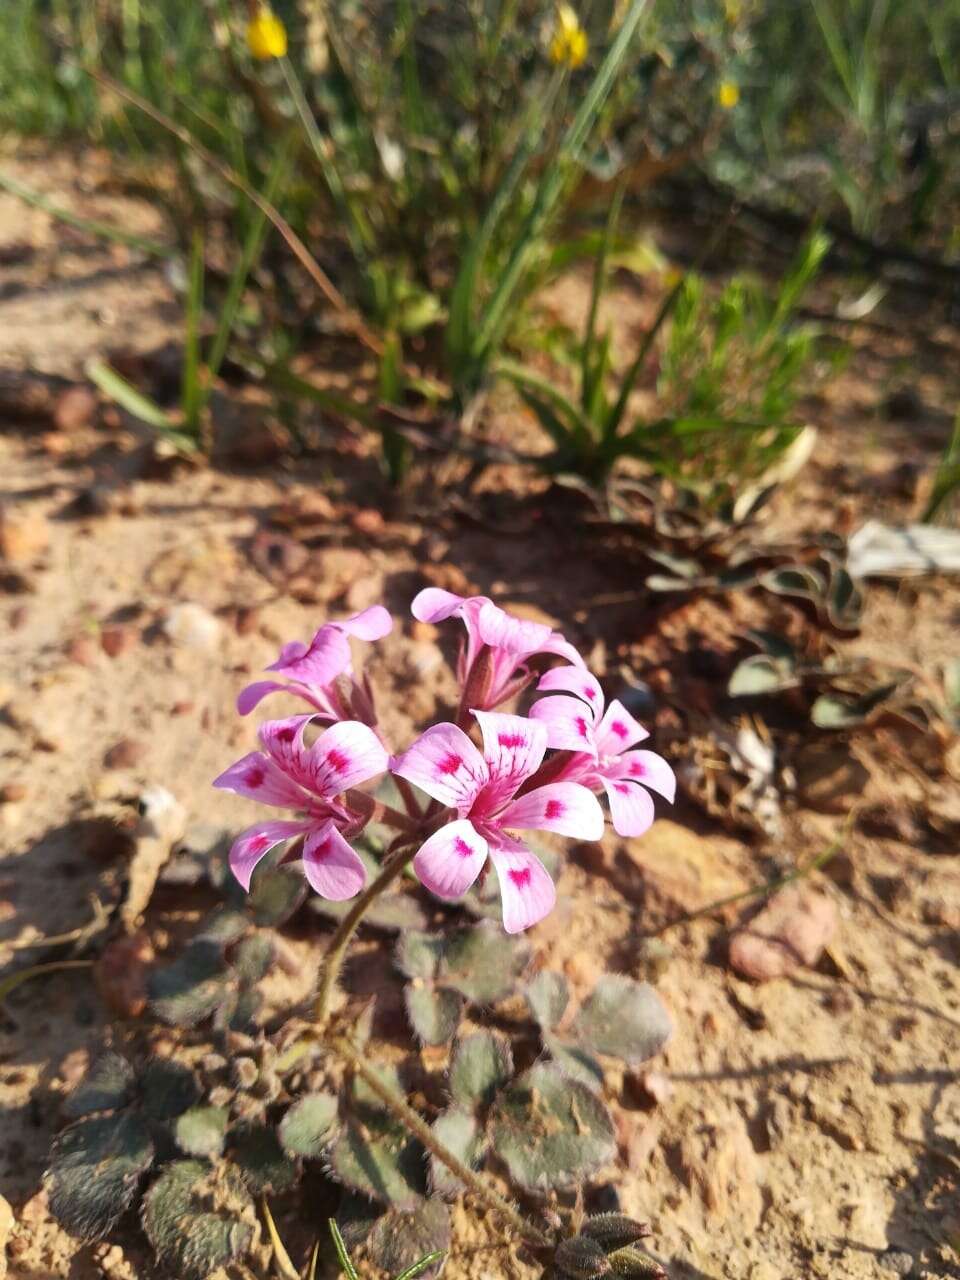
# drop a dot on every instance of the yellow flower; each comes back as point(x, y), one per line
point(728, 94)
point(569, 45)
point(266, 35)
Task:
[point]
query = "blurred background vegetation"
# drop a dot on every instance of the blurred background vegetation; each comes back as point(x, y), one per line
point(413, 173)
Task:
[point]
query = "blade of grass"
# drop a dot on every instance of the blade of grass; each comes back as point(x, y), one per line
point(9, 984)
point(588, 368)
point(192, 392)
point(348, 1268)
point(418, 1268)
point(947, 478)
point(136, 403)
point(284, 1265)
point(103, 230)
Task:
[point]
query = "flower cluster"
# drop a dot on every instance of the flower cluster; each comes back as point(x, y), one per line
point(482, 790)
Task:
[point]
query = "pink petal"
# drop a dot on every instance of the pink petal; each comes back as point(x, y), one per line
point(345, 755)
point(332, 868)
point(562, 648)
point(526, 890)
point(450, 861)
point(650, 769)
point(618, 730)
point(283, 742)
point(563, 807)
point(573, 680)
point(327, 657)
point(501, 630)
point(254, 694)
point(260, 778)
point(434, 605)
point(568, 721)
point(253, 845)
point(445, 764)
point(513, 746)
point(370, 624)
point(631, 807)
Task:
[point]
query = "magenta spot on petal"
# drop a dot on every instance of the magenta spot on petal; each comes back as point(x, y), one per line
point(622, 788)
point(462, 847)
point(258, 843)
point(254, 777)
point(554, 809)
point(450, 763)
point(288, 734)
point(637, 770)
point(520, 878)
point(511, 740)
point(620, 729)
point(337, 760)
point(581, 726)
point(589, 693)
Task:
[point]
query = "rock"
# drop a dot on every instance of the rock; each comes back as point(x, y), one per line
point(649, 1088)
point(829, 777)
point(369, 522)
point(718, 1163)
point(6, 1227)
point(124, 754)
point(82, 650)
point(121, 974)
point(118, 639)
point(12, 793)
point(193, 627)
point(791, 930)
point(161, 828)
point(277, 555)
point(24, 534)
point(74, 408)
point(448, 577)
point(897, 1261)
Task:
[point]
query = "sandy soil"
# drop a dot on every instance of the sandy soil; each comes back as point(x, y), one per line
point(810, 1125)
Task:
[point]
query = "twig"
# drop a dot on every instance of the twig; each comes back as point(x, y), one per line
point(10, 984)
point(421, 1130)
point(762, 890)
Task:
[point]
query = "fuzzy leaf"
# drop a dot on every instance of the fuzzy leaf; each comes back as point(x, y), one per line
point(482, 1064)
point(307, 1127)
point(548, 996)
point(401, 1239)
point(186, 992)
point(168, 1089)
point(94, 1172)
point(374, 1153)
point(482, 963)
point(434, 1012)
point(623, 1018)
point(574, 1060)
point(636, 1263)
point(418, 954)
point(253, 958)
point(549, 1130)
point(795, 580)
point(843, 711)
point(239, 1011)
point(191, 1241)
point(581, 1258)
point(108, 1084)
point(201, 1131)
point(844, 601)
point(258, 1155)
point(390, 913)
point(224, 926)
point(459, 1131)
point(275, 896)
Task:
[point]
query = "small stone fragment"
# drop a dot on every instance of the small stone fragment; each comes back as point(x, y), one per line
point(121, 974)
point(193, 626)
point(791, 930)
point(24, 534)
point(124, 754)
point(74, 408)
point(12, 793)
point(118, 639)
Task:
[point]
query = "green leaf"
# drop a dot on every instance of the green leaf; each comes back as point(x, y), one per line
point(109, 1084)
point(95, 1169)
point(307, 1127)
point(261, 1160)
point(253, 958)
point(434, 1012)
point(614, 1230)
point(460, 1133)
point(550, 1131)
point(188, 991)
point(188, 1239)
point(581, 1258)
point(418, 954)
point(136, 404)
point(623, 1018)
point(349, 1270)
point(275, 896)
point(201, 1131)
point(482, 1064)
point(375, 1155)
point(410, 1242)
point(482, 963)
point(845, 711)
point(548, 996)
point(167, 1088)
point(574, 1060)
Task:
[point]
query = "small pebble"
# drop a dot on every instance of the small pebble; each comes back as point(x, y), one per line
point(124, 754)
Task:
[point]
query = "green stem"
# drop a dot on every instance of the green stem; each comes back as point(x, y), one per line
point(415, 1123)
point(348, 927)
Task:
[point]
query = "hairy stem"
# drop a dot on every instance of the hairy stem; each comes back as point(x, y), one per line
point(348, 927)
point(415, 1123)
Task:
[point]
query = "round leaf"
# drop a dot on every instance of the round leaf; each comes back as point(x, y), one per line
point(94, 1172)
point(434, 1013)
point(482, 1064)
point(623, 1018)
point(201, 1131)
point(107, 1085)
point(306, 1128)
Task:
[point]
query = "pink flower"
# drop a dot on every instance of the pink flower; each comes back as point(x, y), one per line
point(507, 643)
point(289, 774)
point(483, 788)
point(602, 741)
point(310, 670)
